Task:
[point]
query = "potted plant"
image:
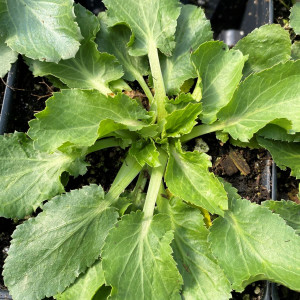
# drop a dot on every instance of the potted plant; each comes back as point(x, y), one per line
point(180, 230)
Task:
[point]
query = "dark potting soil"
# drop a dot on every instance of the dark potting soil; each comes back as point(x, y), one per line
point(242, 167)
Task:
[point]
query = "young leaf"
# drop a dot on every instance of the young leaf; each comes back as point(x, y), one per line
point(192, 30)
point(40, 29)
point(288, 210)
point(28, 177)
point(220, 70)
point(86, 285)
point(187, 177)
point(137, 259)
point(64, 239)
point(153, 23)
point(90, 69)
point(76, 116)
point(266, 46)
point(295, 18)
point(182, 121)
point(285, 154)
point(114, 41)
point(7, 57)
point(261, 98)
point(274, 132)
point(202, 277)
point(250, 244)
point(145, 152)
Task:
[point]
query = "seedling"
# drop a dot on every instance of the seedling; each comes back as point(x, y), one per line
point(156, 241)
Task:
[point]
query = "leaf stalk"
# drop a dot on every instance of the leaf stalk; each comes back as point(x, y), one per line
point(154, 186)
point(129, 170)
point(201, 130)
point(160, 92)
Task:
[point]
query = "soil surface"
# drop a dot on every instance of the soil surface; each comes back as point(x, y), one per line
point(247, 170)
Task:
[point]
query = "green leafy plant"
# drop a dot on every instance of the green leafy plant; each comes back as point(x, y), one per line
point(155, 241)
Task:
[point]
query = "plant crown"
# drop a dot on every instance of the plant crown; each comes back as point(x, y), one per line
point(156, 241)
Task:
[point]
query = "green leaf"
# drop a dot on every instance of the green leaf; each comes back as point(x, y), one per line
point(64, 240)
point(274, 132)
point(220, 70)
point(28, 177)
point(79, 116)
point(296, 50)
point(145, 152)
point(187, 176)
point(137, 259)
point(285, 154)
point(250, 244)
point(40, 29)
point(192, 30)
point(202, 277)
point(114, 41)
point(295, 18)
point(182, 121)
point(86, 285)
point(7, 57)
point(288, 210)
point(90, 69)
point(261, 98)
point(153, 23)
point(266, 46)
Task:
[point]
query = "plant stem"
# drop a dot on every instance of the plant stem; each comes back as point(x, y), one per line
point(126, 174)
point(160, 92)
point(103, 144)
point(154, 186)
point(145, 87)
point(201, 130)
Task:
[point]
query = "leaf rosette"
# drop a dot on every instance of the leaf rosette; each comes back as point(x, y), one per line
point(156, 240)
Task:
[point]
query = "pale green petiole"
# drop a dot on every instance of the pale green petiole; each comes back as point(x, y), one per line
point(129, 170)
point(201, 130)
point(103, 144)
point(154, 186)
point(145, 87)
point(160, 92)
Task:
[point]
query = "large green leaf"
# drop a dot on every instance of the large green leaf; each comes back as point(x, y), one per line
point(137, 260)
point(285, 154)
point(220, 70)
point(261, 98)
point(40, 29)
point(28, 177)
point(114, 41)
point(192, 30)
point(153, 23)
point(182, 121)
point(90, 69)
point(86, 285)
point(250, 244)
point(288, 210)
point(48, 252)
point(295, 17)
point(77, 116)
point(7, 57)
point(187, 176)
point(202, 277)
point(266, 46)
